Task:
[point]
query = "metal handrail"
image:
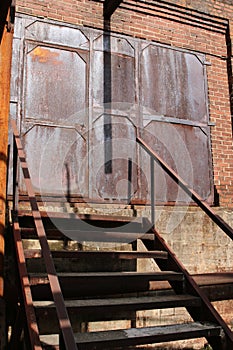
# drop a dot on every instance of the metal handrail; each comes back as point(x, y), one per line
point(63, 318)
point(192, 194)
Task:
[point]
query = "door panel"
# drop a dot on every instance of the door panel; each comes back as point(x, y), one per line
point(173, 84)
point(185, 149)
point(56, 159)
point(55, 87)
point(113, 153)
point(113, 183)
point(113, 72)
point(54, 120)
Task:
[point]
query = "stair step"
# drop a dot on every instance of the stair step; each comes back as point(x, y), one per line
point(101, 235)
point(65, 254)
point(129, 303)
point(82, 221)
point(139, 336)
point(147, 335)
point(88, 217)
point(89, 261)
point(108, 309)
point(122, 304)
point(87, 284)
point(109, 277)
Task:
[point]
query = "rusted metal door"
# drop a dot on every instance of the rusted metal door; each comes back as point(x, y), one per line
point(78, 95)
point(112, 137)
point(55, 90)
point(175, 119)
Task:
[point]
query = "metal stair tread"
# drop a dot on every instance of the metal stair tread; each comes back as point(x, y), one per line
point(89, 236)
point(176, 331)
point(123, 254)
point(137, 336)
point(99, 217)
point(136, 303)
point(159, 275)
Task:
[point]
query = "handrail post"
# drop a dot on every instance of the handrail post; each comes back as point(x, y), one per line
point(7, 175)
point(15, 176)
point(129, 179)
point(152, 190)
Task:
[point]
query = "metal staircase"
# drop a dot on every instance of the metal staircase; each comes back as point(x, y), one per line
point(63, 290)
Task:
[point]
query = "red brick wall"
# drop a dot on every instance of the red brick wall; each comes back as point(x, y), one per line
point(199, 25)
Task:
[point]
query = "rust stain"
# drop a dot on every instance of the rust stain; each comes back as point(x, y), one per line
point(43, 55)
point(5, 71)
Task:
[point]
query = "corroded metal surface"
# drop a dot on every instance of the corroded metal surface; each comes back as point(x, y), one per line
point(180, 146)
point(55, 98)
point(83, 91)
point(59, 166)
point(172, 83)
point(175, 119)
point(114, 184)
point(5, 68)
point(122, 70)
point(55, 87)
